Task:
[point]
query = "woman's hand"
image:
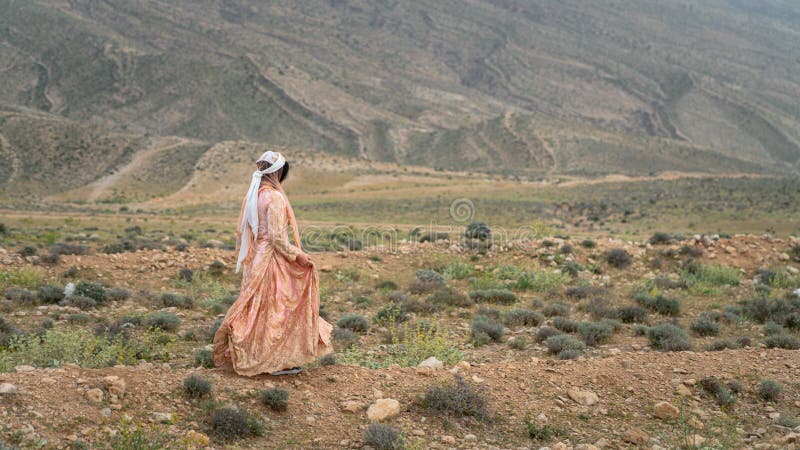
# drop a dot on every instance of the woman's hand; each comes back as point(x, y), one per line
point(304, 260)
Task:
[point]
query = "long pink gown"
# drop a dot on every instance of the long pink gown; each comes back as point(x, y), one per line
point(275, 322)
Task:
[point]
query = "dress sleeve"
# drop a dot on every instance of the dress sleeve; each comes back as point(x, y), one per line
point(277, 226)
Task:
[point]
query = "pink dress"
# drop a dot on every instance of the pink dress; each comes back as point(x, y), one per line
point(275, 322)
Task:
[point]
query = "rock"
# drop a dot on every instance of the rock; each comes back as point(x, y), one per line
point(114, 385)
point(383, 409)
point(196, 439)
point(783, 256)
point(470, 438)
point(636, 436)
point(377, 394)
point(24, 368)
point(585, 398)
point(160, 417)
point(353, 406)
point(695, 423)
point(448, 439)
point(683, 390)
point(106, 412)
point(94, 395)
point(8, 389)
point(666, 411)
point(215, 243)
point(326, 268)
point(431, 362)
point(791, 438)
point(696, 440)
point(559, 446)
point(601, 443)
point(426, 371)
point(793, 270)
point(586, 447)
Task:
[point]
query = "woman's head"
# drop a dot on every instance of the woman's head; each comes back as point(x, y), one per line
point(280, 174)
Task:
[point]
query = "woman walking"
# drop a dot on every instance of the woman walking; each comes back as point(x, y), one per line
point(274, 325)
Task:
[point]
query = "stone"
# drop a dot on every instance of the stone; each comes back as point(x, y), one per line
point(24, 368)
point(586, 447)
point(470, 438)
point(382, 409)
point(114, 385)
point(94, 395)
point(666, 411)
point(353, 406)
point(584, 398)
point(431, 362)
point(695, 423)
point(636, 436)
point(696, 440)
point(684, 390)
point(195, 439)
point(448, 439)
point(160, 417)
point(559, 446)
point(791, 438)
point(8, 389)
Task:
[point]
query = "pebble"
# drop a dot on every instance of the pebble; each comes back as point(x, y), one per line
point(665, 411)
point(382, 409)
point(431, 362)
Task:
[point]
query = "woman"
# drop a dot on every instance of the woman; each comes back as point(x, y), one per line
point(274, 325)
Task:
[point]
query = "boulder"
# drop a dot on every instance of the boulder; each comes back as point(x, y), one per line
point(584, 398)
point(665, 411)
point(383, 409)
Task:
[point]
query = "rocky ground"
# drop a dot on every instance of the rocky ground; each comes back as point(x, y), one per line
point(619, 393)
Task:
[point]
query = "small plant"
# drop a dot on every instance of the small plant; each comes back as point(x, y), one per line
point(196, 386)
point(705, 327)
point(588, 243)
point(564, 324)
point(81, 302)
point(782, 340)
point(546, 332)
point(162, 320)
point(276, 398)
point(353, 322)
point(560, 342)
point(721, 394)
point(95, 291)
point(204, 358)
point(485, 329)
point(659, 304)
point(618, 258)
point(661, 238)
point(555, 309)
point(345, 337)
point(458, 398)
point(541, 433)
point(186, 274)
point(517, 343)
point(327, 360)
point(522, 317)
point(51, 294)
point(228, 423)
point(118, 294)
point(170, 299)
point(383, 437)
point(500, 296)
point(769, 390)
point(478, 230)
point(445, 295)
point(594, 333)
point(640, 330)
point(392, 313)
point(632, 314)
point(721, 344)
point(669, 338)
point(569, 354)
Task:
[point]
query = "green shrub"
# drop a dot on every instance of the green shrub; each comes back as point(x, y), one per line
point(518, 343)
point(660, 238)
point(353, 322)
point(545, 332)
point(721, 344)
point(632, 314)
point(569, 354)
point(79, 318)
point(383, 437)
point(162, 320)
point(541, 281)
point(51, 294)
point(204, 358)
point(761, 309)
point(170, 299)
point(228, 423)
point(478, 230)
point(448, 296)
point(458, 398)
point(618, 258)
point(276, 399)
point(560, 342)
point(709, 274)
point(393, 313)
point(483, 326)
point(640, 330)
point(555, 309)
point(81, 302)
point(457, 271)
point(522, 317)
point(118, 294)
point(429, 275)
point(327, 360)
point(588, 243)
point(669, 338)
point(543, 433)
point(95, 291)
point(771, 328)
point(705, 327)
point(721, 394)
point(196, 386)
point(594, 333)
point(19, 295)
point(769, 390)
point(564, 324)
point(792, 321)
point(345, 337)
point(501, 296)
point(7, 331)
point(659, 304)
point(784, 341)
point(54, 347)
point(582, 292)
point(63, 248)
point(28, 250)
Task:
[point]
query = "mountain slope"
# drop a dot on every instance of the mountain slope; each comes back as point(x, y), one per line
point(532, 87)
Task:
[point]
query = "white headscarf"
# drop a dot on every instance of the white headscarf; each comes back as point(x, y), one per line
point(249, 225)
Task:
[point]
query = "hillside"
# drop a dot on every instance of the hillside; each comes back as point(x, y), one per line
point(530, 88)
